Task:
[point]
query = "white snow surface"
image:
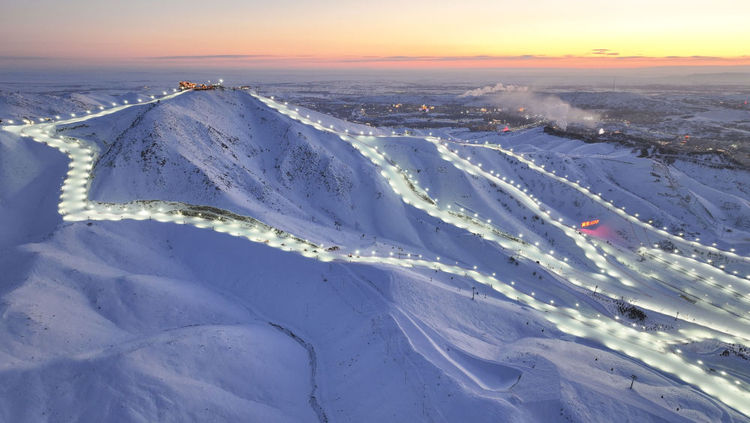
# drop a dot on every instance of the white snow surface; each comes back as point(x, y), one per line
point(142, 321)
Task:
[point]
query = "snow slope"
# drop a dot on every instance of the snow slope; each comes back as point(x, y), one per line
point(145, 321)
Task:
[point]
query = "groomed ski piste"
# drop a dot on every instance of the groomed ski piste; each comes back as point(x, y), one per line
point(650, 277)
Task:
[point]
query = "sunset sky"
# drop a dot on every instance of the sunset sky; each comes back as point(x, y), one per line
point(382, 33)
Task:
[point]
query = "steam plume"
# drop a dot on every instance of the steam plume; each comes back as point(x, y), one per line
point(552, 108)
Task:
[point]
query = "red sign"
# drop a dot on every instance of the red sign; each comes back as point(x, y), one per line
point(588, 223)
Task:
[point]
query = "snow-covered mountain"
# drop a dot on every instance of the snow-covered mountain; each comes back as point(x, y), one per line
point(141, 320)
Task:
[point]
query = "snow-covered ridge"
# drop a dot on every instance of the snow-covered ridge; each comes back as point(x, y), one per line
point(654, 349)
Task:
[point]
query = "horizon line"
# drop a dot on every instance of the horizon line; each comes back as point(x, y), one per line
point(598, 59)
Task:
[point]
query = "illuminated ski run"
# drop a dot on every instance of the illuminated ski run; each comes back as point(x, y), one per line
point(721, 314)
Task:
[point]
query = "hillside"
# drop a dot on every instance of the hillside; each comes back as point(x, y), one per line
point(144, 320)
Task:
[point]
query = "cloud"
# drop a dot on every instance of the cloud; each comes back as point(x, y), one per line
point(477, 58)
point(706, 57)
point(24, 58)
point(597, 57)
point(215, 56)
point(604, 52)
point(351, 59)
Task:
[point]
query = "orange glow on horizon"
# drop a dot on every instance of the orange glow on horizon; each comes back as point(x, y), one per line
point(451, 62)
